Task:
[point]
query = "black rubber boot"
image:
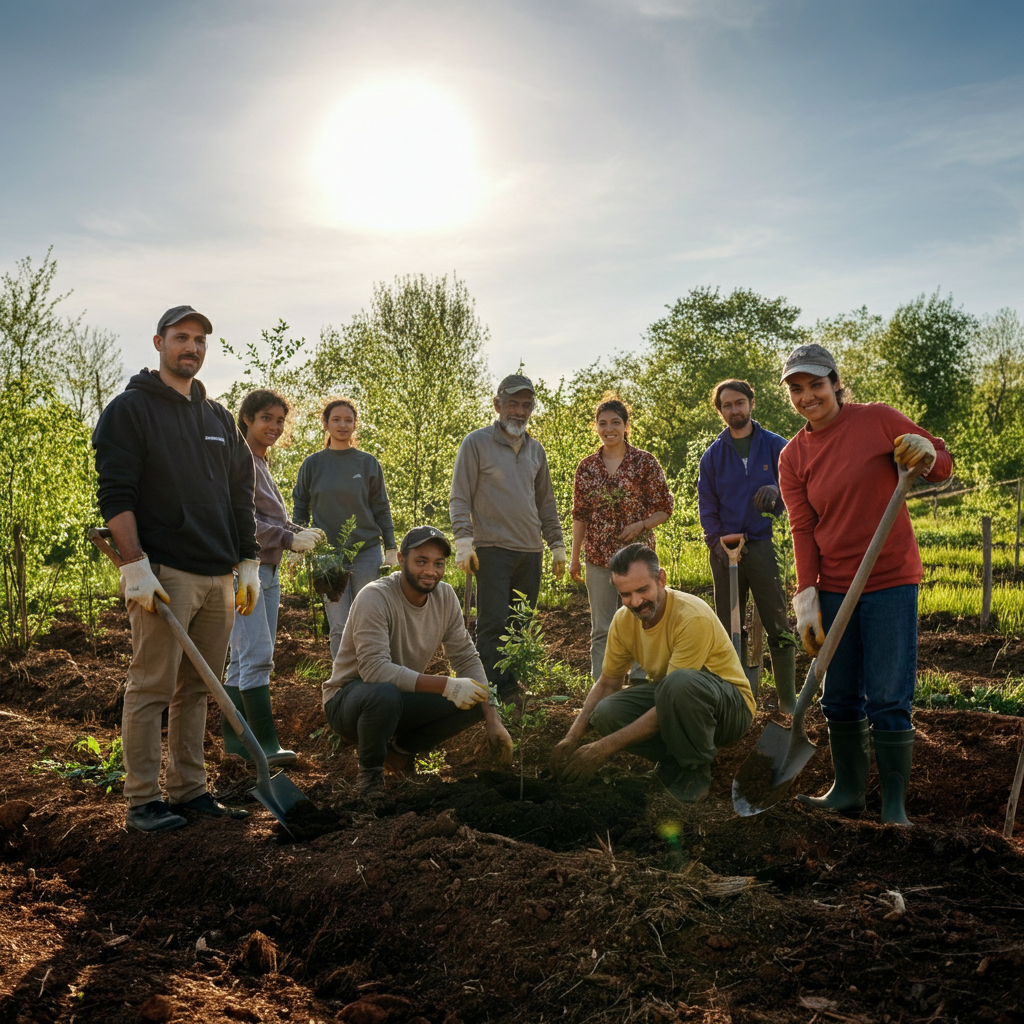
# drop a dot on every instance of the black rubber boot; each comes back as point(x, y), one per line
point(260, 716)
point(232, 741)
point(851, 755)
point(784, 671)
point(893, 753)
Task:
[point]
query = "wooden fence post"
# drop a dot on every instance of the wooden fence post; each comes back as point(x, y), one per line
point(986, 580)
point(1016, 543)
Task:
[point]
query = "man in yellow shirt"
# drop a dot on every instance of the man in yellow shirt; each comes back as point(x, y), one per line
point(696, 698)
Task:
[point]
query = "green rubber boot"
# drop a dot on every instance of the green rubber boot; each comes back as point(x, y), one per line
point(232, 741)
point(260, 717)
point(851, 755)
point(893, 753)
point(784, 671)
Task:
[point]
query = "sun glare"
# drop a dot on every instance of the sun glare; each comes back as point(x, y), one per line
point(398, 156)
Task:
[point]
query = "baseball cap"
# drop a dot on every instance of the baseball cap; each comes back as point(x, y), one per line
point(178, 313)
point(515, 382)
point(420, 535)
point(809, 359)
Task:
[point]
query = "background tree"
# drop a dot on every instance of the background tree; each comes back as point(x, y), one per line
point(414, 364)
point(88, 370)
point(706, 338)
point(927, 347)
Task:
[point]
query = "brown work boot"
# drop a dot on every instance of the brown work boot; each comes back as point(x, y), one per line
point(400, 762)
point(370, 785)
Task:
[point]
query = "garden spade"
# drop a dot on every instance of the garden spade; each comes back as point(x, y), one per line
point(781, 754)
point(732, 545)
point(277, 793)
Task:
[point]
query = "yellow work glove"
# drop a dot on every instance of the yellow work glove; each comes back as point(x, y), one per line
point(141, 585)
point(465, 555)
point(464, 692)
point(558, 562)
point(808, 620)
point(248, 585)
point(391, 557)
point(910, 449)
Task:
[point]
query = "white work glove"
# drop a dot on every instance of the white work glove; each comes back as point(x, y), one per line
point(808, 620)
point(141, 585)
point(465, 556)
point(306, 540)
point(248, 585)
point(558, 562)
point(910, 449)
point(391, 557)
point(464, 693)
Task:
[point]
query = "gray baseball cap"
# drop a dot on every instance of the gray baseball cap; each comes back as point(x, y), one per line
point(420, 535)
point(178, 313)
point(809, 359)
point(515, 382)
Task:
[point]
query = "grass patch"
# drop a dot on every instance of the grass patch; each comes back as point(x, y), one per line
point(938, 690)
point(104, 767)
point(965, 602)
point(312, 670)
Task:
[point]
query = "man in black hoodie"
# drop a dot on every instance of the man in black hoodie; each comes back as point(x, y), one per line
point(176, 487)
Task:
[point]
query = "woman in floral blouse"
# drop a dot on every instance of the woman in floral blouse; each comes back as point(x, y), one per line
point(619, 496)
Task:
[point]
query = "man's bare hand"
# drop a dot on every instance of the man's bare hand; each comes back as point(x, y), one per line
point(584, 763)
point(560, 754)
point(499, 743)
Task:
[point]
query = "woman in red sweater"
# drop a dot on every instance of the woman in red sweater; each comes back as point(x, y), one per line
point(837, 476)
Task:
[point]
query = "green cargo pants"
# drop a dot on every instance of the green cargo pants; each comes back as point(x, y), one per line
point(698, 712)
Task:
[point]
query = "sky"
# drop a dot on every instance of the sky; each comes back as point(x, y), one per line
point(579, 164)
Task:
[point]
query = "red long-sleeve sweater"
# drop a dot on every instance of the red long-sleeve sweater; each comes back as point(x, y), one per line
point(836, 482)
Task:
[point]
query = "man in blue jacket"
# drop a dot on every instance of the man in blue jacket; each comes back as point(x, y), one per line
point(176, 486)
point(739, 481)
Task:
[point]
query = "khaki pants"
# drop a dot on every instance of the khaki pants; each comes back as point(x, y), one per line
point(160, 676)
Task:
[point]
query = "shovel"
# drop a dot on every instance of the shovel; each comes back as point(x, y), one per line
point(732, 545)
point(781, 754)
point(277, 793)
point(467, 600)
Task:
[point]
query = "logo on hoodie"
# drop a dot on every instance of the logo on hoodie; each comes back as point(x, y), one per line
point(210, 437)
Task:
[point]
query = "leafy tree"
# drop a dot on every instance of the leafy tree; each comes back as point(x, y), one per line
point(89, 370)
point(927, 348)
point(263, 371)
point(414, 364)
point(999, 357)
point(706, 338)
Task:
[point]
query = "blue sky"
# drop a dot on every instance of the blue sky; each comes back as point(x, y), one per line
point(624, 152)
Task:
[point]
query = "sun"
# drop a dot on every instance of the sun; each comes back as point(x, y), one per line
point(398, 156)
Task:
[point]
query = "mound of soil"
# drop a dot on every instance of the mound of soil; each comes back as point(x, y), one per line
point(457, 902)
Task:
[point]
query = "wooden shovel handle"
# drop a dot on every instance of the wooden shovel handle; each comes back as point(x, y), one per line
point(732, 544)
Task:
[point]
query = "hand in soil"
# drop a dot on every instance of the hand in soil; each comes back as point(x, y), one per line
point(499, 743)
point(560, 755)
point(584, 763)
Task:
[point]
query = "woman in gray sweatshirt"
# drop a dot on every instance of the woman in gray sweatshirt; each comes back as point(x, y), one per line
point(339, 482)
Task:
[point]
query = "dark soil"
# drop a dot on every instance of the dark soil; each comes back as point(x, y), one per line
point(455, 901)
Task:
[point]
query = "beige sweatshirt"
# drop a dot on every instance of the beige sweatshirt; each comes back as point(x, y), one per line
point(389, 640)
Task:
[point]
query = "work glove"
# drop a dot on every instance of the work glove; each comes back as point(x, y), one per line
point(717, 551)
point(910, 449)
point(306, 540)
point(391, 557)
point(248, 585)
point(766, 497)
point(558, 561)
point(464, 693)
point(141, 585)
point(465, 556)
point(808, 620)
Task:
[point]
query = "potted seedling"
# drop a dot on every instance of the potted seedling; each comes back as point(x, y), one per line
point(329, 567)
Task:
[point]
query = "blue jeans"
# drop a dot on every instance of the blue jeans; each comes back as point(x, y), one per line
point(501, 573)
point(874, 669)
point(253, 636)
point(365, 569)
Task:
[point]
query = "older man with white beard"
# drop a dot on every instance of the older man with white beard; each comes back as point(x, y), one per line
point(502, 510)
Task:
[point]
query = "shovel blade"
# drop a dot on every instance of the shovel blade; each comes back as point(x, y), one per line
point(766, 776)
point(279, 795)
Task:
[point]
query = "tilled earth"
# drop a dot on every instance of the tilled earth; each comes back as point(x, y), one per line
point(457, 901)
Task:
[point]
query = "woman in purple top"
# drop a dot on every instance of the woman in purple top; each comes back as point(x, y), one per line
point(261, 419)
